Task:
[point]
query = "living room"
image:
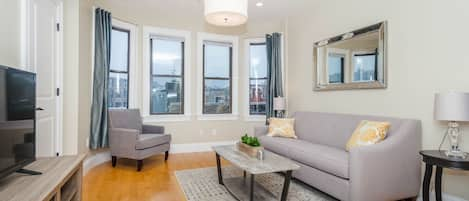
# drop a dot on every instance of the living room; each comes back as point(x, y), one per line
point(199, 79)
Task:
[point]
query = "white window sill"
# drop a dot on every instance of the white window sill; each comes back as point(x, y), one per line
point(166, 118)
point(255, 118)
point(218, 117)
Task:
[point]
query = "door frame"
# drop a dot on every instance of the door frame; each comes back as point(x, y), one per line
point(26, 60)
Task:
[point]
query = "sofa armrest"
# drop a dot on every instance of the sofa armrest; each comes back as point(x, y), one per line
point(152, 129)
point(260, 130)
point(122, 141)
point(389, 170)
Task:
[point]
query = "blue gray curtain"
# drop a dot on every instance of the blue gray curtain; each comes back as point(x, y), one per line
point(102, 58)
point(274, 71)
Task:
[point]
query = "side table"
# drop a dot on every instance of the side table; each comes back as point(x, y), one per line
point(440, 160)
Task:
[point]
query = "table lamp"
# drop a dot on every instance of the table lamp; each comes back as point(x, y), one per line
point(279, 105)
point(452, 107)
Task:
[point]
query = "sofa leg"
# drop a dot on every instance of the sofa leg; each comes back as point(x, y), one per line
point(166, 154)
point(139, 165)
point(114, 161)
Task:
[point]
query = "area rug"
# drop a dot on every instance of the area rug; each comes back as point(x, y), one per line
point(202, 185)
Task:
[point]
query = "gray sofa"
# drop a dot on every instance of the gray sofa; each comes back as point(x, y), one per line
point(129, 138)
point(389, 170)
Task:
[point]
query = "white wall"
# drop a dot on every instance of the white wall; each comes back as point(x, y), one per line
point(77, 75)
point(427, 52)
point(10, 22)
point(71, 77)
point(85, 68)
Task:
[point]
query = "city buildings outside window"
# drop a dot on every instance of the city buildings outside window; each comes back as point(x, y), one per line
point(118, 84)
point(365, 66)
point(167, 75)
point(257, 78)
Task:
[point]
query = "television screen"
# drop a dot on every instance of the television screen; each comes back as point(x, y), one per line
point(17, 119)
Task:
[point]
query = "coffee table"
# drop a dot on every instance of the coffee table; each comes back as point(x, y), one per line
point(248, 189)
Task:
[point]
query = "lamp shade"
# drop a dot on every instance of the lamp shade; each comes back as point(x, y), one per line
point(452, 106)
point(279, 103)
point(226, 12)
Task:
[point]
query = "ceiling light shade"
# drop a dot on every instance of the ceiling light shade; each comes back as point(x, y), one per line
point(226, 12)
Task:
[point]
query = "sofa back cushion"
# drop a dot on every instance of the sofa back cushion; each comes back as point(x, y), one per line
point(334, 129)
point(125, 118)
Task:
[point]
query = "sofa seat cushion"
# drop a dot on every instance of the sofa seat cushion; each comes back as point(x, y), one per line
point(326, 158)
point(146, 141)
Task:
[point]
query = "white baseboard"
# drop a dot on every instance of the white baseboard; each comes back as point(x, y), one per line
point(197, 147)
point(94, 160)
point(102, 157)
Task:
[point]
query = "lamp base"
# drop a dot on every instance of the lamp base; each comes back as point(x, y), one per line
point(453, 133)
point(456, 154)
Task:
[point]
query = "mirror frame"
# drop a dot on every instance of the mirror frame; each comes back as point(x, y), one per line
point(381, 83)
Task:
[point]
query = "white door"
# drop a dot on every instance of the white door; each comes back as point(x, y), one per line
point(45, 61)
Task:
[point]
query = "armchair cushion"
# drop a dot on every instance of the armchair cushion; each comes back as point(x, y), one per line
point(151, 129)
point(146, 141)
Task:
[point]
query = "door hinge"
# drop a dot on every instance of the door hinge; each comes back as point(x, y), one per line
point(57, 91)
point(58, 26)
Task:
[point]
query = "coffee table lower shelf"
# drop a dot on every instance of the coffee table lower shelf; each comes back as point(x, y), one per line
point(240, 188)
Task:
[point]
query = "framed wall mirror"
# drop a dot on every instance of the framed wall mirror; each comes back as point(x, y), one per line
point(354, 60)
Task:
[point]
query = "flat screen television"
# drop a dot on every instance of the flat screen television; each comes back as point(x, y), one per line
point(17, 119)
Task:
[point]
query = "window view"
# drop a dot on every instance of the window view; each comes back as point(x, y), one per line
point(167, 76)
point(364, 67)
point(257, 78)
point(118, 92)
point(217, 78)
point(336, 64)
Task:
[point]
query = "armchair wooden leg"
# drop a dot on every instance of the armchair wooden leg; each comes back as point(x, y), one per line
point(114, 161)
point(139, 165)
point(166, 154)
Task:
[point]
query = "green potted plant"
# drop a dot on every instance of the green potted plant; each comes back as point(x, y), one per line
point(250, 145)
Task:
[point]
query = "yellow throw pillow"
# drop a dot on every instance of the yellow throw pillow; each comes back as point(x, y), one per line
point(368, 133)
point(281, 127)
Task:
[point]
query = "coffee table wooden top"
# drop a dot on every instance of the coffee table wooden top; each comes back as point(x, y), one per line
point(272, 162)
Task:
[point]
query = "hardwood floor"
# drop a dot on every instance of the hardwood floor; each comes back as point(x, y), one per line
point(156, 181)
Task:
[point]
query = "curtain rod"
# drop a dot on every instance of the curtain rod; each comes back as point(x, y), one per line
point(114, 17)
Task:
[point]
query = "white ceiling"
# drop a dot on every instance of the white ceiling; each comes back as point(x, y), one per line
point(272, 9)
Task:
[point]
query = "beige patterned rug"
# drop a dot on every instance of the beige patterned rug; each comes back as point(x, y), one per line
point(202, 185)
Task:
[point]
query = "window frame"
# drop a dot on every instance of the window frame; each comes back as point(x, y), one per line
point(342, 69)
point(247, 111)
point(217, 38)
point(185, 36)
point(230, 76)
point(346, 64)
point(128, 31)
point(182, 41)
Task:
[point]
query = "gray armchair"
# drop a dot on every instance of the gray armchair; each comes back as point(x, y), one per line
point(129, 138)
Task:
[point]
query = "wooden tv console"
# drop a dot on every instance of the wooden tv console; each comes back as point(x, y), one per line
point(60, 180)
